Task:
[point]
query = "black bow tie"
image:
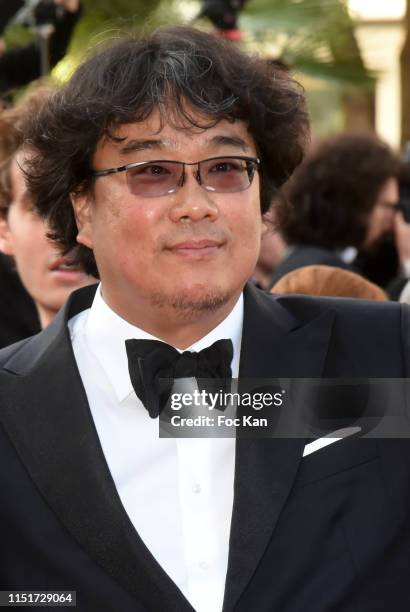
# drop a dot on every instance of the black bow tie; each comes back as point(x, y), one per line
point(153, 366)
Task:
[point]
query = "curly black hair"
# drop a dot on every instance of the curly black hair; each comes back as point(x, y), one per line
point(331, 195)
point(182, 72)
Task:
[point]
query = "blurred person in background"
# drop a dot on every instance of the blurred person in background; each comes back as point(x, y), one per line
point(342, 203)
point(328, 281)
point(48, 277)
point(18, 314)
point(271, 253)
point(397, 287)
point(21, 65)
point(404, 296)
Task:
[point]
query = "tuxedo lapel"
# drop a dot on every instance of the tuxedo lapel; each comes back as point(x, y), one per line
point(284, 337)
point(276, 342)
point(49, 421)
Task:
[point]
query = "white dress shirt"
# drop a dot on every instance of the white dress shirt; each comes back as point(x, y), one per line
point(178, 493)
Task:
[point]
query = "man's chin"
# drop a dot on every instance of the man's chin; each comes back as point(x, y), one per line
point(193, 301)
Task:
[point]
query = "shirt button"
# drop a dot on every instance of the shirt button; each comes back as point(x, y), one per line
point(196, 488)
point(203, 565)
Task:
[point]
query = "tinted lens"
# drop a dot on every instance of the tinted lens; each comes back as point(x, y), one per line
point(226, 175)
point(153, 179)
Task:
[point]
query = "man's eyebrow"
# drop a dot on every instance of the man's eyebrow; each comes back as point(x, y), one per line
point(137, 144)
point(230, 141)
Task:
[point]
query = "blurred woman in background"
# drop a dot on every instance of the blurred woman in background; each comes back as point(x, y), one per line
point(342, 202)
point(47, 275)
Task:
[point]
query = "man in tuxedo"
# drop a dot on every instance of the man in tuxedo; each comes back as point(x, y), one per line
point(158, 160)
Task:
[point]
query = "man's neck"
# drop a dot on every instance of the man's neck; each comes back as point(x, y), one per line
point(172, 326)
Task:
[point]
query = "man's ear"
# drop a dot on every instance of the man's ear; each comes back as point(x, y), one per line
point(82, 207)
point(6, 239)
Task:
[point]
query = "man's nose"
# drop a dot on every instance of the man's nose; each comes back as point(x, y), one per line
point(191, 202)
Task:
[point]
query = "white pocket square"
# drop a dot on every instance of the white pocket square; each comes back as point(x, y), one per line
point(331, 438)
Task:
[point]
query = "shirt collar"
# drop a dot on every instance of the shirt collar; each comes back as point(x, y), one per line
point(106, 332)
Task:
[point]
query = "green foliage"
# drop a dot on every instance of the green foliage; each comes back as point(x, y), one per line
point(106, 19)
point(314, 36)
point(17, 35)
point(101, 19)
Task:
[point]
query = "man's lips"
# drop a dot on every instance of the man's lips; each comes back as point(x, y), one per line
point(195, 248)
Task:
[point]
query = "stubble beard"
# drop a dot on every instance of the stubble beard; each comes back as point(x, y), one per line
point(189, 307)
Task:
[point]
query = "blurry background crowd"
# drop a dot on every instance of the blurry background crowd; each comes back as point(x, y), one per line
point(341, 225)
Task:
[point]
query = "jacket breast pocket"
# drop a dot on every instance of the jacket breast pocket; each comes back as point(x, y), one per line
point(337, 457)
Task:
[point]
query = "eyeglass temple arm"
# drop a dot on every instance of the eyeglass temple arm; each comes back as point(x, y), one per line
point(110, 171)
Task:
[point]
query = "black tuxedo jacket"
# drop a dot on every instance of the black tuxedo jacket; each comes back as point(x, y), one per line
point(327, 532)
